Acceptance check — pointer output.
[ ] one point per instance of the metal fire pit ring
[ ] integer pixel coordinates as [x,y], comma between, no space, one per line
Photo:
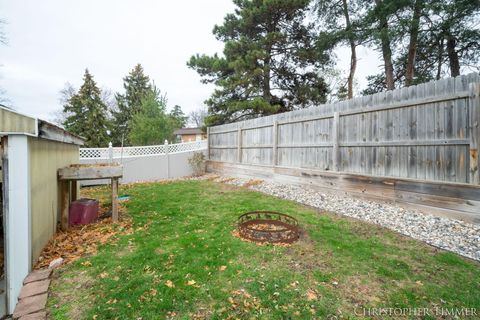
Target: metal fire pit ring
[268,226]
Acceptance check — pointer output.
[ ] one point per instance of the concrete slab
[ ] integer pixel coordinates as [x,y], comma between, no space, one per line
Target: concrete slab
[30,305]
[34,288]
[38,275]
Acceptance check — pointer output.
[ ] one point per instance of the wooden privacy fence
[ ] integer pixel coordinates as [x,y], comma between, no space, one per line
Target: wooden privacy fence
[427,132]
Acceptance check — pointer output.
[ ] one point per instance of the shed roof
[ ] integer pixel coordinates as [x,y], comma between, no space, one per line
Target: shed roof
[188,131]
[13,122]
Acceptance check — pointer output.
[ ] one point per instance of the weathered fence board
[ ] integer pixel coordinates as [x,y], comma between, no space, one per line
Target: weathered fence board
[459,201]
[425,132]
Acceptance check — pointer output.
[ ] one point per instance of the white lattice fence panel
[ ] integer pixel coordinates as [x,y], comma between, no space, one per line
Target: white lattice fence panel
[138,151]
[93,153]
[188,146]
[103,153]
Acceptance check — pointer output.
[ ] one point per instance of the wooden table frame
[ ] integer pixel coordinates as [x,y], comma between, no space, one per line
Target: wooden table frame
[68,179]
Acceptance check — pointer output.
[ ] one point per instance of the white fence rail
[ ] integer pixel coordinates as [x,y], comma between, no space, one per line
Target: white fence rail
[147,163]
[128,152]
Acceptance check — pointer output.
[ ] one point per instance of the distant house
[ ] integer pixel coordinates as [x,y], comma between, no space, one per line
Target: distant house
[190,134]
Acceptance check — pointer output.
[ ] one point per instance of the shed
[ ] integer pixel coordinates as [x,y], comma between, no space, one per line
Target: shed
[31,152]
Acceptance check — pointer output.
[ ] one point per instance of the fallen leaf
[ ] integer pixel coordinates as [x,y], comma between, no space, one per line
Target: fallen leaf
[82,240]
[191,282]
[169,284]
[311,295]
[222,268]
[103,275]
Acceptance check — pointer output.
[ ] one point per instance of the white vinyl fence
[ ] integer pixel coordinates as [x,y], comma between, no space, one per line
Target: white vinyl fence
[145,163]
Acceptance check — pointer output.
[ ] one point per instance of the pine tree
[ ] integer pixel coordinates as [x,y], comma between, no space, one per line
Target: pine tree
[337,20]
[151,125]
[271,63]
[432,39]
[137,86]
[87,114]
[178,117]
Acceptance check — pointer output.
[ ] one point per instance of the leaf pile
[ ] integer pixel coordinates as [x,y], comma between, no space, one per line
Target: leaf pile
[78,241]
[236,234]
[252,183]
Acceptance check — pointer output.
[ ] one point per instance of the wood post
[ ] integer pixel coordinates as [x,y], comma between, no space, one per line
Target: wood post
[474,132]
[239,145]
[208,143]
[335,139]
[74,190]
[64,203]
[115,199]
[275,144]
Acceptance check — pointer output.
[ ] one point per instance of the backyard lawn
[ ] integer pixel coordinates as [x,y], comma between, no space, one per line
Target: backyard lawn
[182,262]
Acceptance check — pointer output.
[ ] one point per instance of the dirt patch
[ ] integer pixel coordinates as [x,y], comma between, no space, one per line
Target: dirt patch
[360,290]
[304,256]
[201,313]
[74,292]
[160,251]
[126,251]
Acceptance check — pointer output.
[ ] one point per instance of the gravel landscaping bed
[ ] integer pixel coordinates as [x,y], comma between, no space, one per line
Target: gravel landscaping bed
[449,234]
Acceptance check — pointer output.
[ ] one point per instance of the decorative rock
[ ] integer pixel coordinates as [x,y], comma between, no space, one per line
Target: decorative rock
[38,275]
[30,305]
[55,263]
[34,288]
[445,233]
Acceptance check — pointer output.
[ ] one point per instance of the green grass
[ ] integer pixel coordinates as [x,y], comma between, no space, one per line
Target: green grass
[183,234]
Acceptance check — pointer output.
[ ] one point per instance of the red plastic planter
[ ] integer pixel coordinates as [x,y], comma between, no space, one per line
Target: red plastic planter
[83,211]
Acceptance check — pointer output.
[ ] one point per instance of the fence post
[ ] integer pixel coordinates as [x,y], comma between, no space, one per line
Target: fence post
[335,138]
[275,143]
[110,152]
[239,145]
[474,132]
[208,143]
[168,158]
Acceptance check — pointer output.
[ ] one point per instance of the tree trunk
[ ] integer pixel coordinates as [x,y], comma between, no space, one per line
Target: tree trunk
[386,50]
[353,48]
[267,95]
[453,56]
[412,47]
[440,59]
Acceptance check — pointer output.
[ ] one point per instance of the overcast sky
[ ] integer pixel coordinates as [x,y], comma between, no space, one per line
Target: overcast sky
[51,42]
